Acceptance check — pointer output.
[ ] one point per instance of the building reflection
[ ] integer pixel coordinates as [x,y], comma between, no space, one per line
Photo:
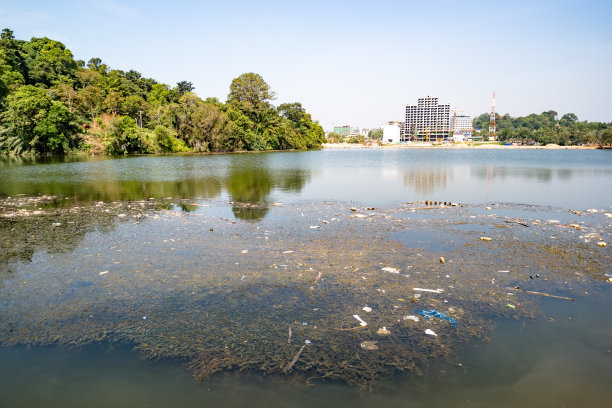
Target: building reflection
[428,181]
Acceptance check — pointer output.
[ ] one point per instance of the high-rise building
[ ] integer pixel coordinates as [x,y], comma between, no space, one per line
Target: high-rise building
[427,121]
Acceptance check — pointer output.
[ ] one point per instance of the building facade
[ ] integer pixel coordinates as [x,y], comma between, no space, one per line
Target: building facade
[427,121]
[461,125]
[342,130]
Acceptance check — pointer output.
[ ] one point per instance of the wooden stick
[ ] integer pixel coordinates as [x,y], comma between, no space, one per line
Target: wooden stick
[295,359]
[543,294]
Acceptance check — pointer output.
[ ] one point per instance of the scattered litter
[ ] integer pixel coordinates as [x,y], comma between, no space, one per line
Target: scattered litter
[488,208]
[289,338]
[144,317]
[411,317]
[304,324]
[504,271]
[390,269]
[314,227]
[428,290]
[430,332]
[485,239]
[288,252]
[367,309]
[554,221]
[442,260]
[369,345]
[56,224]
[601,244]
[575,226]
[371,208]
[318,277]
[383,331]
[307,342]
[361,322]
[245,251]
[103,273]
[428,314]
[243,276]
[510,305]
[353,209]
[121,215]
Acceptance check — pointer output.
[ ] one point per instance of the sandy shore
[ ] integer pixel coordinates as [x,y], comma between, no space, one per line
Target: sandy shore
[446,146]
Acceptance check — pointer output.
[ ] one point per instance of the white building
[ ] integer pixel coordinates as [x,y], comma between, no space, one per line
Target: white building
[392,132]
[461,125]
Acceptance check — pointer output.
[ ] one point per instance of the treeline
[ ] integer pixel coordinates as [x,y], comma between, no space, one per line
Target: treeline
[546,128]
[51,103]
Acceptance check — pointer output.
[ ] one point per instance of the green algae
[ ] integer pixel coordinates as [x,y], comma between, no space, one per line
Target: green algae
[221,295]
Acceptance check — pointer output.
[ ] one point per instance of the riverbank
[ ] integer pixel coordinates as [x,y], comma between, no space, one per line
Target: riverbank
[450,146]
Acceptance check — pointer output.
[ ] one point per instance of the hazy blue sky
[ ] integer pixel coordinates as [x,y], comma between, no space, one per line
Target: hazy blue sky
[351,62]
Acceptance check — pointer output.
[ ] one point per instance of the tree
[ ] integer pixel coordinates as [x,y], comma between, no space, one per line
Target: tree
[250,94]
[183,87]
[376,134]
[36,123]
[90,100]
[292,111]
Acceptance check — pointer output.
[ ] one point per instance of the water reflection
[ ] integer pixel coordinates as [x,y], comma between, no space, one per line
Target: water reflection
[428,180]
[250,188]
[249,180]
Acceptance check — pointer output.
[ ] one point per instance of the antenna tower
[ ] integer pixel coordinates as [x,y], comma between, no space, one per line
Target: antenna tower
[492,119]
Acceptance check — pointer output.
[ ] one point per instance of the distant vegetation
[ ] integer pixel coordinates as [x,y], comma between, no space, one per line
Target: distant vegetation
[546,128]
[51,103]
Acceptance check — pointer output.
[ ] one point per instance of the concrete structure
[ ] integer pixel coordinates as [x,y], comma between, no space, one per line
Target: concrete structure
[427,121]
[392,132]
[461,125]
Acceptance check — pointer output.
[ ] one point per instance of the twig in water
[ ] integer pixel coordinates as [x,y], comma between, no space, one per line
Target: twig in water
[295,359]
[543,294]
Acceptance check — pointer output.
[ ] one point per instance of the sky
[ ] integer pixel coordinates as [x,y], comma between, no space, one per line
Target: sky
[356,62]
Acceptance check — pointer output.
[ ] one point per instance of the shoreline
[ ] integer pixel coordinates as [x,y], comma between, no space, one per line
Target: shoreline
[449,146]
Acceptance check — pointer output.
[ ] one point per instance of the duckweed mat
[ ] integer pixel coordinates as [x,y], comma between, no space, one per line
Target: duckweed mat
[308,291]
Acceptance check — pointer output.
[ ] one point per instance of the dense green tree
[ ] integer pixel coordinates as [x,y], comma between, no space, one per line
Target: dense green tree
[250,94]
[36,123]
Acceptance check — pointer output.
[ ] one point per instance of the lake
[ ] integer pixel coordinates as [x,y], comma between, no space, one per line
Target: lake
[351,277]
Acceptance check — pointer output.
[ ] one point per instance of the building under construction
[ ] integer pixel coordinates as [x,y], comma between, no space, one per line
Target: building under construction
[427,121]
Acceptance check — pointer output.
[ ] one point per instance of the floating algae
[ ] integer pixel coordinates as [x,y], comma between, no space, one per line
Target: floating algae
[218,312]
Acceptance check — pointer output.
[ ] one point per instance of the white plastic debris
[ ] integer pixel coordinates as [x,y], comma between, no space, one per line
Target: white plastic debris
[390,269]
[430,332]
[428,290]
[307,342]
[56,224]
[411,317]
[288,252]
[367,309]
[314,227]
[103,273]
[361,322]
[383,331]
[485,239]
[245,251]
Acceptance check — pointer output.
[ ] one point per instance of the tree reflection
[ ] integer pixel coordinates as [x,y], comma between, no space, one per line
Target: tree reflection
[249,189]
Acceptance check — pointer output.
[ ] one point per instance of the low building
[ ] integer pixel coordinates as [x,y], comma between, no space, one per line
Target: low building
[343,131]
[392,132]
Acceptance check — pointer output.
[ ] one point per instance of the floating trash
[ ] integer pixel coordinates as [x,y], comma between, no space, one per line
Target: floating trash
[390,269]
[411,317]
[428,314]
[430,332]
[428,290]
[103,273]
[367,309]
[369,345]
[485,239]
[361,322]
